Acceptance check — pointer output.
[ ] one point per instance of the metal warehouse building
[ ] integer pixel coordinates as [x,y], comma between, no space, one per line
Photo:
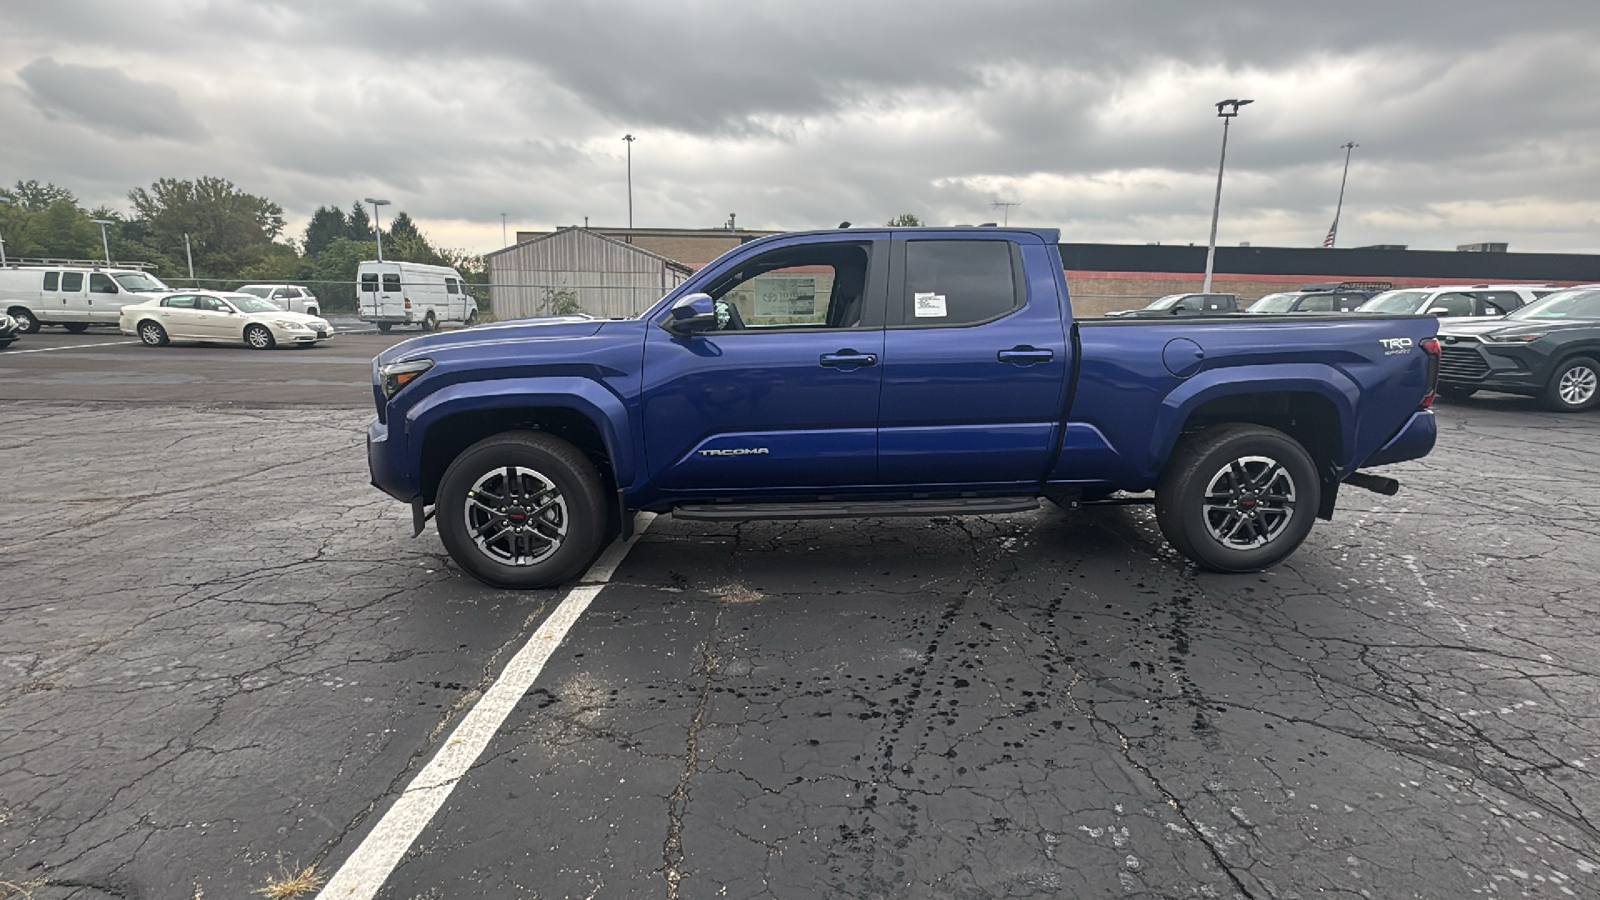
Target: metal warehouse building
[600,275]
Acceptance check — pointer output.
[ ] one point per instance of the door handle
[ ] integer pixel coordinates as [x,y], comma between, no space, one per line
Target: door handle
[847,359]
[1025,355]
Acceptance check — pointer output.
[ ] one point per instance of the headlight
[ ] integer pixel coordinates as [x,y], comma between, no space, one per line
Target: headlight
[397,375]
[1510,338]
[290,326]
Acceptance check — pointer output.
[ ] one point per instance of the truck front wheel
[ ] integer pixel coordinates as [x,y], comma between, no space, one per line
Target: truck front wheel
[1237,498]
[521,510]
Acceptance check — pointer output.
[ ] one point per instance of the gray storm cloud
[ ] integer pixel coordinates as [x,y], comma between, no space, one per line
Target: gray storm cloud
[1475,124]
[107,100]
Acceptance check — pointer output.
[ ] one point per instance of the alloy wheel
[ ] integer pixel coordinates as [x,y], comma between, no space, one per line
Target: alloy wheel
[1578,385]
[1249,502]
[516,516]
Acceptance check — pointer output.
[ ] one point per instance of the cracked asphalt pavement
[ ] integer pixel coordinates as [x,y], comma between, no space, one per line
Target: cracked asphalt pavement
[223,656]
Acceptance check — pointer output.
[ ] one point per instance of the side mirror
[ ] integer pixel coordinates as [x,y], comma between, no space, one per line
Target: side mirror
[692,314]
[1439,311]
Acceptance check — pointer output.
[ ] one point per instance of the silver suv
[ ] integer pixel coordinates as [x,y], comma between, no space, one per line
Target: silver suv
[287,297]
[1458,300]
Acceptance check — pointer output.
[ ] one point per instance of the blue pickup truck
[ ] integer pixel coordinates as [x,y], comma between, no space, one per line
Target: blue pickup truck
[919,371]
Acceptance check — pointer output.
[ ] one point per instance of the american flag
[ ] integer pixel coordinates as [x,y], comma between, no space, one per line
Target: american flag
[1328,241]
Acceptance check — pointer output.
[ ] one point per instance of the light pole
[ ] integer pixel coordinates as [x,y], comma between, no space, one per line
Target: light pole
[1226,110]
[190,254]
[104,244]
[1333,233]
[377,228]
[2,251]
[503,230]
[630,139]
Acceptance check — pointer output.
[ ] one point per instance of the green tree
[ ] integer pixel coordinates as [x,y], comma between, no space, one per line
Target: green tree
[904,220]
[31,196]
[229,229]
[360,223]
[326,224]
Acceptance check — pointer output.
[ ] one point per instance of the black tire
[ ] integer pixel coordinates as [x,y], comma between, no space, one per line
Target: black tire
[259,337]
[429,322]
[76,327]
[547,471]
[1455,394]
[1574,386]
[27,322]
[152,334]
[385,326]
[1263,490]
[472,318]
[312,311]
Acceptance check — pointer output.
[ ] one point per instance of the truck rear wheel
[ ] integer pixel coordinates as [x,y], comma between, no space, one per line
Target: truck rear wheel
[1237,498]
[76,327]
[521,510]
[385,326]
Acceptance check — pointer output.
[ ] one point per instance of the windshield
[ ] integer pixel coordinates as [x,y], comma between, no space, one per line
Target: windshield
[1578,303]
[1272,303]
[262,292]
[139,282]
[1167,302]
[1395,302]
[249,304]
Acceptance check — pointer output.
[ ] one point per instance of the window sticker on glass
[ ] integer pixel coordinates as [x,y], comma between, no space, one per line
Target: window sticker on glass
[929,305]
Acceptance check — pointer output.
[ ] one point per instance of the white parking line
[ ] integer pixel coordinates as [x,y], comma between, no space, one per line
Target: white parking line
[73,347]
[366,870]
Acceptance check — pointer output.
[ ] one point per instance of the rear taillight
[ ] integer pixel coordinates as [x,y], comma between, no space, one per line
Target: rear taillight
[1431,348]
[408,303]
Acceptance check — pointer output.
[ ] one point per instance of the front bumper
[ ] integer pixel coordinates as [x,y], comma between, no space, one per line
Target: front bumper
[295,336]
[386,463]
[1467,361]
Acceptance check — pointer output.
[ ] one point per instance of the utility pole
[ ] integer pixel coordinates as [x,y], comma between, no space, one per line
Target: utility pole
[1333,233]
[630,139]
[1216,205]
[503,230]
[377,227]
[103,242]
[190,254]
[2,251]
[1005,207]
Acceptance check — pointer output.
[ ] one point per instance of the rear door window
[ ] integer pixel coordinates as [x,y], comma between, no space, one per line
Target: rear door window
[960,282]
[72,281]
[369,282]
[391,284]
[1318,303]
[182,301]
[52,281]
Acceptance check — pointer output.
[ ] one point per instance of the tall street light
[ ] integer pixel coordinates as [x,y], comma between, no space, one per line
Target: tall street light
[104,244]
[1226,110]
[630,139]
[377,228]
[1333,233]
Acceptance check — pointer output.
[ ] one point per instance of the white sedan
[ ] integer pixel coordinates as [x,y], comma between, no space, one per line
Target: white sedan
[219,316]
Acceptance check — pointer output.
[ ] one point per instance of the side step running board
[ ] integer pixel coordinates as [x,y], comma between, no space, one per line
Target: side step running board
[853,509]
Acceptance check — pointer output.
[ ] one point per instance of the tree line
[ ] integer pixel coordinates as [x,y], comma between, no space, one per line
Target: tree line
[234,236]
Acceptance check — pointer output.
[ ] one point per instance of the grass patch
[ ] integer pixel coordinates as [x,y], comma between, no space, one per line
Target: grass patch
[287,884]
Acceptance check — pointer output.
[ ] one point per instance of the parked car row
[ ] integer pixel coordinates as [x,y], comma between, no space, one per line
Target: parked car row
[77,294]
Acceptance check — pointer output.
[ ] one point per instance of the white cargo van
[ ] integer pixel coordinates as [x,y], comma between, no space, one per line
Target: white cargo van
[402,293]
[72,296]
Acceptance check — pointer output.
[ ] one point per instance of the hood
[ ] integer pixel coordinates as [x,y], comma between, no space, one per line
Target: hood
[545,328]
[1476,325]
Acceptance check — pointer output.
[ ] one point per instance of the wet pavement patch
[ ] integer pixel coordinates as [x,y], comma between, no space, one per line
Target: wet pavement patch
[1035,705]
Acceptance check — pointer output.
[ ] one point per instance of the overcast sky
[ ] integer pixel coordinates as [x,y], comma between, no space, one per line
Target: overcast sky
[1477,120]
